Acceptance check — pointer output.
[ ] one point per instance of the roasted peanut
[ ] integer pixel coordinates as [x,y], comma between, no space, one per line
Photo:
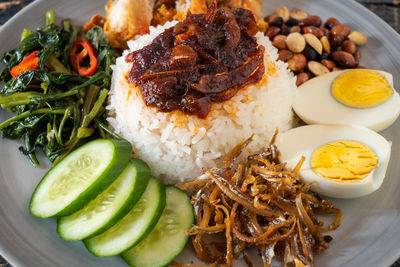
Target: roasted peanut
[295,42]
[349,46]
[328,63]
[326,45]
[311,21]
[302,78]
[314,42]
[341,30]
[313,30]
[283,12]
[358,38]
[279,42]
[295,29]
[285,30]
[310,53]
[330,23]
[317,68]
[311,48]
[272,32]
[298,14]
[344,59]
[325,31]
[285,55]
[275,20]
[335,40]
[292,22]
[297,62]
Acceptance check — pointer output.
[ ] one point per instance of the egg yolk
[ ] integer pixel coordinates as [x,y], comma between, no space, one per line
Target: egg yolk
[361,88]
[344,161]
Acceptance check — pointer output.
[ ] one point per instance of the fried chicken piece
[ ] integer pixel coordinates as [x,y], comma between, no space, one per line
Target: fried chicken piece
[254,6]
[96,20]
[200,6]
[125,19]
[164,10]
[192,6]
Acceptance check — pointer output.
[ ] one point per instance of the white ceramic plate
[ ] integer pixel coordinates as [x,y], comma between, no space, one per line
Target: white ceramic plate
[370,231]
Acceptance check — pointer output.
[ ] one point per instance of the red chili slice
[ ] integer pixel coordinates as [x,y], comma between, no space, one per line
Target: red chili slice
[83,49]
[31,62]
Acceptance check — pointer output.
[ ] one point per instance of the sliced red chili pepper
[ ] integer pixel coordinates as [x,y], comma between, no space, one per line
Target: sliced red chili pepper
[81,50]
[31,62]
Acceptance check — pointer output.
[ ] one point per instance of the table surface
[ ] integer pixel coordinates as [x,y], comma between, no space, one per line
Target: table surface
[388,10]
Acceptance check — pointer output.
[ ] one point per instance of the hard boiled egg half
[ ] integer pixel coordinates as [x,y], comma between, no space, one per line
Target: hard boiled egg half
[350,97]
[341,161]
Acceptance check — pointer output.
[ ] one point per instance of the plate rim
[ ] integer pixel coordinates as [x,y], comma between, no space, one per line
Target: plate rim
[4,252]
[395,256]
[8,255]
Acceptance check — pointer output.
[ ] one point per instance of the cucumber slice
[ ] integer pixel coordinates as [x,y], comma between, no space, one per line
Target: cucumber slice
[135,226]
[109,207]
[79,177]
[168,238]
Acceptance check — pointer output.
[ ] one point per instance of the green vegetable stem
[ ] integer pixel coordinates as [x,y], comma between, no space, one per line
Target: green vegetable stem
[50,17]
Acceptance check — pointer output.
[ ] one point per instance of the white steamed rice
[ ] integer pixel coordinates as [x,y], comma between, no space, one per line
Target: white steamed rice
[177,146]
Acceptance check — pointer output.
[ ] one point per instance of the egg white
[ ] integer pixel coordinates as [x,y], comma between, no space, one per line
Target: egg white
[302,141]
[314,104]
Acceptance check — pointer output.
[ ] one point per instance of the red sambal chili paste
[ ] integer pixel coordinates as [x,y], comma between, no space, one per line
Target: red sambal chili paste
[205,58]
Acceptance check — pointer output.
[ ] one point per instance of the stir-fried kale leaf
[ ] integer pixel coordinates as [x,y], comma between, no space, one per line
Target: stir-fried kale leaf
[55,108]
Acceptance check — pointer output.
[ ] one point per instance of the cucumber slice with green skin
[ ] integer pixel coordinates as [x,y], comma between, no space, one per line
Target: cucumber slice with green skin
[168,238]
[109,207]
[79,177]
[135,226]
